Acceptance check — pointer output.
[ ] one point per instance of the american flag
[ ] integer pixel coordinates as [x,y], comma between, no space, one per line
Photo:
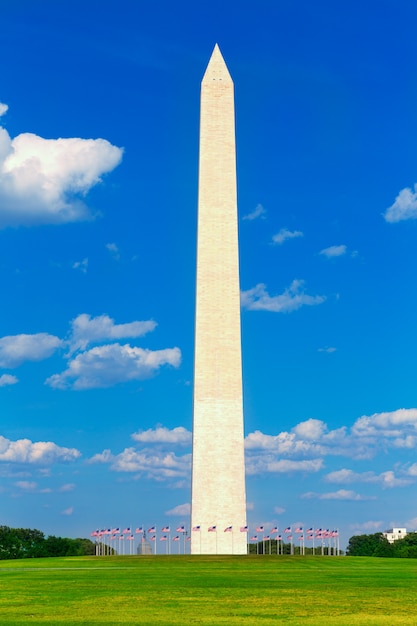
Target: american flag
[163,538]
[175,538]
[166,529]
[301,538]
[318,530]
[243,529]
[267,538]
[254,538]
[150,538]
[152,529]
[309,530]
[130,538]
[188,538]
[139,530]
[180,529]
[212,529]
[289,537]
[126,531]
[115,530]
[299,530]
[228,529]
[121,537]
[260,529]
[310,537]
[279,537]
[195,528]
[274,530]
[287,530]
[95,533]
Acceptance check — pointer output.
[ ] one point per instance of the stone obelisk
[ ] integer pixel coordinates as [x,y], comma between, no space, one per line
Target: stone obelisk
[218,498]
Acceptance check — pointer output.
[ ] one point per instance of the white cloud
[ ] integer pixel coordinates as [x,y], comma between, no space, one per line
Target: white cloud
[40,452]
[400,426]
[86,330]
[114,251]
[8,379]
[3,108]
[161,434]
[67,487]
[334,251]
[342,494]
[312,438]
[15,349]
[26,485]
[81,265]
[387,479]
[293,298]
[111,364]
[404,207]
[180,510]
[366,527]
[285,234]
[259,211]
[308,438]
[260,464]
[279,510]
[43,181]
[68,511]
[329,350]
[157,465]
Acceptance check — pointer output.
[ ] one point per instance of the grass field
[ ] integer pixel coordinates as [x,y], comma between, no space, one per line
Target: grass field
[174,590]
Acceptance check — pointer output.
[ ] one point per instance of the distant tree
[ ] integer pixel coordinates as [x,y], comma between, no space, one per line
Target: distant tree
[368,545]
[24,543]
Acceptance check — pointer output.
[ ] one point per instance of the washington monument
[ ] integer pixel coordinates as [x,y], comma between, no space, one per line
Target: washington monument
[218,502]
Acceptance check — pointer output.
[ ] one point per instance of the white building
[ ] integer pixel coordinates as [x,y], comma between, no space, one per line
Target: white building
[393,534]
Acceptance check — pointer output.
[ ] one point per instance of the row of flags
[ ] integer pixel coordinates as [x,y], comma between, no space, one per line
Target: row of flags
[309,534]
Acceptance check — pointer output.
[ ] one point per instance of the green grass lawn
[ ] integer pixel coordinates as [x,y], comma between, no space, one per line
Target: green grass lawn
[181,590]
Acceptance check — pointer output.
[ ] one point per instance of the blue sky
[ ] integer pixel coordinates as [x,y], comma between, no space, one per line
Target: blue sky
[98,194]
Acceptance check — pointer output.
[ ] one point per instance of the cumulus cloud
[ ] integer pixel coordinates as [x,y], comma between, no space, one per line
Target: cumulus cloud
[8,379]
[372,526]
[387,480]
[15,349]
[39,452]
[3,108]
[68,511]
[26,485]
[111,364]
[342,494]
[400,427]
[285,234]
[334,251]
[67,487]
[367,435]
[180,510]
[114,251]
[161,434]
[293,298]
[86,330]
[309,438]
[154,464]
[404,207]
[259,211]
[43,181]
[279,510]
[81,265]
[268,463]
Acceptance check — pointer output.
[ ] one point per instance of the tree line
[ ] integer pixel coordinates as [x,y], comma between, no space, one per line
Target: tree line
[26,543]
[378,545]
